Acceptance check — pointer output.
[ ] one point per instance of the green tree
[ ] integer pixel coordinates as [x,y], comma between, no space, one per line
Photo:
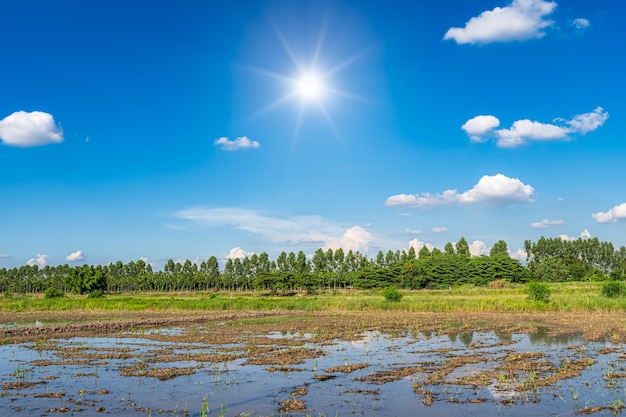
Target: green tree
[424,252]
[85,279]
[462,247]
[499,248]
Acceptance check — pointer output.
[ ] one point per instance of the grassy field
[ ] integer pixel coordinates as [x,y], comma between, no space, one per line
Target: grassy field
[564,297]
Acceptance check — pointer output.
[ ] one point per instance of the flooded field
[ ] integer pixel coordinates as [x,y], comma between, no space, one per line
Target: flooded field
[314,366]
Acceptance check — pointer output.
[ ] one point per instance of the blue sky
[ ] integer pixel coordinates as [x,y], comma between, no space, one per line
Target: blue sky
[183,130]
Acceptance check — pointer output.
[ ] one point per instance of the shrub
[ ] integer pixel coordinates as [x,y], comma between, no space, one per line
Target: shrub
[613,289]
[538,291]
[392,294]
[53,293]
[96,294]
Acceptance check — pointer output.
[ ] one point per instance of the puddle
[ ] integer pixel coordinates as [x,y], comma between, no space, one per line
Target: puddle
[174,371]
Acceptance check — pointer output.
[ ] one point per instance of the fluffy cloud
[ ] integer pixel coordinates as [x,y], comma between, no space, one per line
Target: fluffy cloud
[355,238]
[479,125]
[494,190]
[39,260]
[498,189]
[524,130]
[440,229]
[418,245]
[237,253]
[75,256]
[521,20]
[580,23]
[583,235]
[519,254]
[481,128]
[588,122]
[617,213]
[237,144]
[282,230]
[478,248]
[26,129]
[545,223]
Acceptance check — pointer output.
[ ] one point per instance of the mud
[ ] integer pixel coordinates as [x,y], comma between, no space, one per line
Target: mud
[455,359]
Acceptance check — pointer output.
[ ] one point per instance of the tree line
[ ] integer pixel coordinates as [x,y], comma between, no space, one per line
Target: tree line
[548,259]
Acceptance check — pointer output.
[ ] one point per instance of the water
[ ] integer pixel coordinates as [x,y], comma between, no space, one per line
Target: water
[464,373]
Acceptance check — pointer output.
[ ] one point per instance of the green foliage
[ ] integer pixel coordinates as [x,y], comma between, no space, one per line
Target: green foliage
[375,277]
[85,279]
[551,270]
[613,289]
[392,294]
[548,260]
[53,293]
[96,294]
[538,291]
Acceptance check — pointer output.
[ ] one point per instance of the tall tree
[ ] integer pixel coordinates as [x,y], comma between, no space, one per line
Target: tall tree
[499,248]
[462,247]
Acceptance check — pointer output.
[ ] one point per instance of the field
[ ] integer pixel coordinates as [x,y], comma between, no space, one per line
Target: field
[481,351]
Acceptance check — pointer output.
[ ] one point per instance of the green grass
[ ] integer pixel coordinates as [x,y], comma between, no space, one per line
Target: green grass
[585,296]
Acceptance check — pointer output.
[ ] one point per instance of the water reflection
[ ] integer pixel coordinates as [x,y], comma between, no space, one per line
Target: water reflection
[422,374]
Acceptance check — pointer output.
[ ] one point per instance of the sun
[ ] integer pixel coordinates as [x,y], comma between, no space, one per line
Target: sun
[310,86]
[313,82]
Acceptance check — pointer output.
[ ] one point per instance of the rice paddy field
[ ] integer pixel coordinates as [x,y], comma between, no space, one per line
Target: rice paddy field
[471,351]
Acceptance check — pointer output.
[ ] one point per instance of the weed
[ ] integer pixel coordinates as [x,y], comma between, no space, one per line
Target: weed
[538,291]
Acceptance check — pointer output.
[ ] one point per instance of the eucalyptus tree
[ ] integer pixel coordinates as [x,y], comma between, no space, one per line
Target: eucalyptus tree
[499,248]
[462,247]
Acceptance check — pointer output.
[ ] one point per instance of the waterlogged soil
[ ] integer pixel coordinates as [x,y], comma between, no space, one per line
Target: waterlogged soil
[313,364]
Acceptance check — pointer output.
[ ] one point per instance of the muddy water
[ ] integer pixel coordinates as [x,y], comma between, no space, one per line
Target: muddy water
[178,371]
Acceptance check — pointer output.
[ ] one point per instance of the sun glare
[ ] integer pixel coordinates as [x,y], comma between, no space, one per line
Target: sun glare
[310,86]
[312,83]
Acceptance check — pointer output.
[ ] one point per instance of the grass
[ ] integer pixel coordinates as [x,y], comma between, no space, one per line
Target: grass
[578,296]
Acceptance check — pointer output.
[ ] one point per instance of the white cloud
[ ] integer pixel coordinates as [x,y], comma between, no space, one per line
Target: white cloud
[411,232]
[26,129]
[519,254]
[498,189]
[521,20]
[494,190]
[282,230]
[39,260]
[234,145]
[617,213]
[418,245]
[423,200]
[5,256]
[440,229]
[237,253]
[580,23]
[75,256]
[588,122]
[355,238]
[545,223]
[478,248]
[477,127]
[525,130]
[583,235]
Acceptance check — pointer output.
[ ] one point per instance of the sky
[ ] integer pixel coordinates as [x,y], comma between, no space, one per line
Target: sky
[183,130]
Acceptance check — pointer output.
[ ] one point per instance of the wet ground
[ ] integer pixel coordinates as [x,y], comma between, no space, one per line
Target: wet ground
[314,364]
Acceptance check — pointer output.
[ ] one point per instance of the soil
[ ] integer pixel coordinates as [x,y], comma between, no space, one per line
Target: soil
[254,330]
[324,325]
